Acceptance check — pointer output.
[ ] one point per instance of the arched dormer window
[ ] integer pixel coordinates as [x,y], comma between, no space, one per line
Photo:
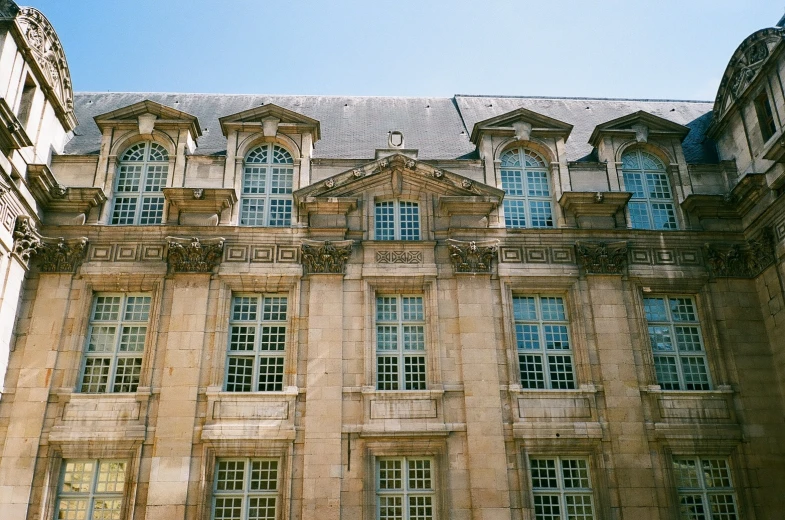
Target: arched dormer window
[651,205]
[268,174]
[525,179]
[141,177]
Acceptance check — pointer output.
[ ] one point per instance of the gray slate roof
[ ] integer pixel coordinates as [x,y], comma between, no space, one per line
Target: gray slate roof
[354,127]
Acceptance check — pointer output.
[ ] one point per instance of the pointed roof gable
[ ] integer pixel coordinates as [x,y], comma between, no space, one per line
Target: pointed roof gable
[164,116]
[507,124]
[292,122]
[388,169]
[637,124]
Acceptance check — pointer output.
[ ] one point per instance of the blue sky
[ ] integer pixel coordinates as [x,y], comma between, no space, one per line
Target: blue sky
[594,48]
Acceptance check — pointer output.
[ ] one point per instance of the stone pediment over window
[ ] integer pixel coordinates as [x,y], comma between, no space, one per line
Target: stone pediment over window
[523,124]
[640,126]
[270,119]
[146,116]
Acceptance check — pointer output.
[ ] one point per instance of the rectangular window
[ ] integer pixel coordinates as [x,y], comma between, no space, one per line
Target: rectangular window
[397,220]
[26,102]
[405,489]
[400,342]
[561,488]
[115,345]
[91,489]
[677,343]
[765,116]
[245,489]
[705,489]
[257,343]
[543,342]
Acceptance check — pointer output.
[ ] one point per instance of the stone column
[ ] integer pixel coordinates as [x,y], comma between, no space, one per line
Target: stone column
[323,399]
[174,429]
[490,494]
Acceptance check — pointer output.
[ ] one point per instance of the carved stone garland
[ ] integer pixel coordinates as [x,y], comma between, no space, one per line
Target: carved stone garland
[742,260]
[602,257]
[53,255]
[468,257]
[325,257]
[193,256]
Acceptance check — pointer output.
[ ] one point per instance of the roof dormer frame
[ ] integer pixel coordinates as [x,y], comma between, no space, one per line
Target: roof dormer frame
[147,116]
[640,126]
[523,124]
[270,119]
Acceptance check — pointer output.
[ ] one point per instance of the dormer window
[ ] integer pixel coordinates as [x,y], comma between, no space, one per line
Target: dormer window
[397,220]
[141,177]
[651,205]
[765,116]
[525,180]
[268,175]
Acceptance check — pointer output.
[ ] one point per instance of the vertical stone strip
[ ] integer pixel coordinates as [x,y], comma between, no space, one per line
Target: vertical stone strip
[31,370]
[174,429]
[490,492]
[13,275]
[323,399]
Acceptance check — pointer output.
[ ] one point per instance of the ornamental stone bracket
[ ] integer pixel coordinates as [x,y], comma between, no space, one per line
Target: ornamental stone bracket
[746,260]
[471,257]
[325,257]
[53,255]
[27,240]
[194,256]
[602,257]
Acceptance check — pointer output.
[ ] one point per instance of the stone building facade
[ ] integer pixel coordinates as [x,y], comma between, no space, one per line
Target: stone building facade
[304,307]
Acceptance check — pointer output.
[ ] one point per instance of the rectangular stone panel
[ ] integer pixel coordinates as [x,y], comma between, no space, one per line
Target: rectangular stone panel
[101,409]
[664,256]
[640,256]
[510,254]
[264,253]
[251,410]
[237,254]
[561,255]
[152,252]
[287,255]
[536,255]
[554,408]
[100,253]
[126,252]
[696,408]
[689,257]
[403,409]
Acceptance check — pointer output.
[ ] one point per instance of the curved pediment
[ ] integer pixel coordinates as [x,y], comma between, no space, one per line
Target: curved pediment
[744,66]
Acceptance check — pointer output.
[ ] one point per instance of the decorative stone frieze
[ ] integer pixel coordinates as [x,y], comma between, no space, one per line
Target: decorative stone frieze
[742,260]
[399,257]
[27,240]
[193,256]
[325,257]
[61,256]
[469,257]
[602,257]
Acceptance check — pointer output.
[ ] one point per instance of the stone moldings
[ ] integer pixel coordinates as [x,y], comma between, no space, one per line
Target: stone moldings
[468,257]
[325,257]
[399,257]
[742,260]
[602,257]
[192,256]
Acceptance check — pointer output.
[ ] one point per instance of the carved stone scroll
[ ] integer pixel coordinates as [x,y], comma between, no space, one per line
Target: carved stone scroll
[742,260]
[325,257]
[468,257]
[602,257]
[193,256]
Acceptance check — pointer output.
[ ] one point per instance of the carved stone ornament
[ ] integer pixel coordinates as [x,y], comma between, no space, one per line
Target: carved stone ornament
[61,256]
[468,257]
[438,174]
[329,183]
[742,260]
[58,191]
[358,172]
[410,164]
[399,257]
[325,257]
[466,183]
[602,257]
[199,193]
[193,256]
[27,240]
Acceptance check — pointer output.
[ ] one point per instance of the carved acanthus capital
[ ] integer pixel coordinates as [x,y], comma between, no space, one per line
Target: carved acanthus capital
[602,257]
[326,257]
[61,255]
[27,240]
[193,256]
[469,257]
[742,260]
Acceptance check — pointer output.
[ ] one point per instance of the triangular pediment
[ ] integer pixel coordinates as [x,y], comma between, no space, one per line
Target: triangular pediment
[400,174]
[288,120]
[164,115]
[640,125]
[521,120]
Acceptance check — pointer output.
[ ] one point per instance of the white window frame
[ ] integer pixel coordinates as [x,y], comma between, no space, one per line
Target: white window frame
[394,230]
[527,196]
[402,352]
[677,354]
[246,495]
[406,492]
[257,354]
[703,490]
[647,200]
[94,493]
[561,491]
[120,324]
[146,166]
[265,159]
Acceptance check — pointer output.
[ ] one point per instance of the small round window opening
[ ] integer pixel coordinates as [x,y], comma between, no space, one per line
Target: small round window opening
[395,139]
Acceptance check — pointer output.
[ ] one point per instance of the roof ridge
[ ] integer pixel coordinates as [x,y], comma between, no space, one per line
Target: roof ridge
[587,98]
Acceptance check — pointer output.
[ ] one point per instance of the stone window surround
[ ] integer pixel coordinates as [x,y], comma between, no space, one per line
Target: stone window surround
[551,168]
[268,166]
[424,447]
[255,448]
[396,218]
[367,210]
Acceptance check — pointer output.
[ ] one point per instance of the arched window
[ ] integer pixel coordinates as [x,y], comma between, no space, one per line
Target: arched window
[141,177]
[268,173]
[527,202]
[651,205]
